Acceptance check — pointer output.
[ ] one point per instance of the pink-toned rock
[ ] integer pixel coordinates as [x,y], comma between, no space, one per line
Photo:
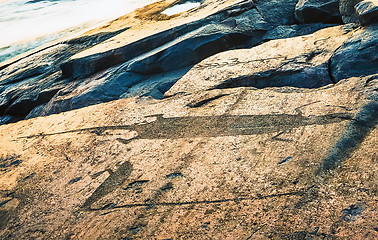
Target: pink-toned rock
[227,163]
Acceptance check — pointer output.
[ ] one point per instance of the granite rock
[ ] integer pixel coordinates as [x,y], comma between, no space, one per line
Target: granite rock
[297,62]
[285,163]
[230,121]
[367,12]
[348,11]
[312,11]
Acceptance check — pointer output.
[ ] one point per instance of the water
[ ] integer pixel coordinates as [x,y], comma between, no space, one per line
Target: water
[179,8]
[27,24]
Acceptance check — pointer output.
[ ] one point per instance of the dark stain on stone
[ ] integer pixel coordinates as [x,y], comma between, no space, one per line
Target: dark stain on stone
[135,230]
[174,175]
[72,181]
[205,101]
[205,225]
[98,131]
[351,213]
[42,231]
[93,176]
[167,187]
[109,206]
[149,204]
[9,194]
[311,195]
[274,78]
[69,236]
[4,218]
[30,176]
[5,202]
[316,230]
[9,161]
[114,181]
[285,160]
[14,163]
[124,141]
[277,138]
[137,227]
[364,122]
[136,184]
[209,211]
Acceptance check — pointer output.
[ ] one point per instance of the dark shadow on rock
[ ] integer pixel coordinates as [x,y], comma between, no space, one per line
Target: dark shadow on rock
[356,132]
[300,77]
[358,56]
[325,11]
[216,126]
[33,80]
[113,182]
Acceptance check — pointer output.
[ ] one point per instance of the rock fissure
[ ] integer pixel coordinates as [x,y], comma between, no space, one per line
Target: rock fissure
[299,192]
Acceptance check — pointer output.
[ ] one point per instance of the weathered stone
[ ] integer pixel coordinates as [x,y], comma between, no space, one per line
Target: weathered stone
[81,67]
[274,141]
[5,119]
[155,85]
[113,84]
[190,49]
[298,62]
[358,56]
[277,12]
[367,12]
[114,61]
[312,11]
[348,11]
[289,31]
[32,80]
[36,112]
[111,163]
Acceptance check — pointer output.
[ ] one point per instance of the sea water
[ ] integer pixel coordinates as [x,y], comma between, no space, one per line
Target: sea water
[27,24]
[179,8]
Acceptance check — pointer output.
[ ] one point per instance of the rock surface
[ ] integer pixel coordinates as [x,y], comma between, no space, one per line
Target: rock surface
[348,11]
[358,56]
[230,121]
[129,55]
[309,11]
[224,163]
[367,12]
[301,62]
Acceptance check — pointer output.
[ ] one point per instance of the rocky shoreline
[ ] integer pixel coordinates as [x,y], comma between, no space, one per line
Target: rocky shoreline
[234,120]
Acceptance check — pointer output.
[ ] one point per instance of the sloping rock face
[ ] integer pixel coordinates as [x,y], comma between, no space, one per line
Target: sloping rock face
[273,139]
[281,163]
[348,11]
[367,12]
[33,80]
[327,11]
[137,55]
[297,62]
[358,56]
